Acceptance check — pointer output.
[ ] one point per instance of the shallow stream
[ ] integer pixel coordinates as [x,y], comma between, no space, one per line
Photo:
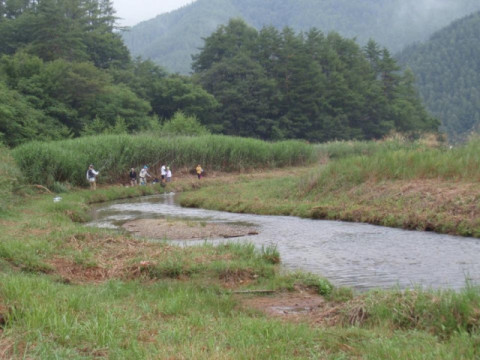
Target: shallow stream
[360,256]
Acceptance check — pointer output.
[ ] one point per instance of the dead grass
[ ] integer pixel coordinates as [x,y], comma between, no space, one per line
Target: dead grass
[424,204]
[113,258]
[239,277]
[300,306]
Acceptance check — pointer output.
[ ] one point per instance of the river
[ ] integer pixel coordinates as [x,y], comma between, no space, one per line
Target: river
[356,255]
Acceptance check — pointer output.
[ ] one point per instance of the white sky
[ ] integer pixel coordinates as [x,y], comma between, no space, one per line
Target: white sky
[132,12]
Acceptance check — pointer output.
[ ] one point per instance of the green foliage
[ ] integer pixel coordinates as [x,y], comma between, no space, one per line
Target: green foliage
[443,313]
[65,72]
[446,76]
[10,177]
[461,163]
[112,155]
[64,29]
[284,85]
[170,39]
[181,124]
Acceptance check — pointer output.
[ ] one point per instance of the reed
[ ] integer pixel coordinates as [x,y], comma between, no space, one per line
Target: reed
[9,178]
[461,163]
[66,161]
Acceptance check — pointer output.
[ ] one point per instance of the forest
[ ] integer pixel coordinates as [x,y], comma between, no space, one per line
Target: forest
[276,85]
[170,39]
[447,68]
[65,72]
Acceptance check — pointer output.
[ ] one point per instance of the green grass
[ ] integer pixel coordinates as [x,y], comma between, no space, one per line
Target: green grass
[10,179]
[461,163]
[335,150]
[66,161]
[177,306]
[427,188]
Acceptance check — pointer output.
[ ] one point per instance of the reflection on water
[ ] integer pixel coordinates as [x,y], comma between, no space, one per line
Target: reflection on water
[361,256]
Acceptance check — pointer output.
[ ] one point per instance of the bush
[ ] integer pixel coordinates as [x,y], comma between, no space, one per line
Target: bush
[181,124]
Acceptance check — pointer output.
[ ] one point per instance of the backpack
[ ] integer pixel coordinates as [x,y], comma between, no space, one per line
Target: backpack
[90,174]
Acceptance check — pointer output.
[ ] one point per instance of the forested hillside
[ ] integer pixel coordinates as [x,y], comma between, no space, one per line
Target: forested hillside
[170,39]
[447,68]
[65,72]
[277,85]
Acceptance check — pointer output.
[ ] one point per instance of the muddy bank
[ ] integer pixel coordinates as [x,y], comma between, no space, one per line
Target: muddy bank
[186,230]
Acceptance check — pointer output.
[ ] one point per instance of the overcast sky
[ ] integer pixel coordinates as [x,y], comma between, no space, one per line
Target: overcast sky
[132,12]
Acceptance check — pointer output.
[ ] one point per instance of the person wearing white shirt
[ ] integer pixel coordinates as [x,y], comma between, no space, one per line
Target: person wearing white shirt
[92,177]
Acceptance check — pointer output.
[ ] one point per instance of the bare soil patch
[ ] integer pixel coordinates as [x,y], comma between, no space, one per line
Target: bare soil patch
[298,306]
[186,230]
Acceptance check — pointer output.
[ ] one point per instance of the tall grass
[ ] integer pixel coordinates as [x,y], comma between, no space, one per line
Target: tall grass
[67,160]
[441,312]
[335,150]
[462,163]
[9,178]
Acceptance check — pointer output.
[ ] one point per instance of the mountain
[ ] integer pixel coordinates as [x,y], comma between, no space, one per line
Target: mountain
[447,69]
[170,39]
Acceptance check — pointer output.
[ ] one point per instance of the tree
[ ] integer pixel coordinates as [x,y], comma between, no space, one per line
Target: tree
[181,124]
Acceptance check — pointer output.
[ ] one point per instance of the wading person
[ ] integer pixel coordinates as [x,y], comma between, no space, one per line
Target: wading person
[169,174]
[92,177]
[133,177]
[143,175]
[199,171]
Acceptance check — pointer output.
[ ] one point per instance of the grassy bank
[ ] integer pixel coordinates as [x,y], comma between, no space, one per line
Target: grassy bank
[413,188]
[66,161]
[69,291]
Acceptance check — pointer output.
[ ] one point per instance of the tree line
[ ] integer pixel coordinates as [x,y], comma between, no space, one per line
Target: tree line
[276,85]
[65,72]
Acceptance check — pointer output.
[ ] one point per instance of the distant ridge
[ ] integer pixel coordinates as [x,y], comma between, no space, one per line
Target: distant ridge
[170,39]
[447,69]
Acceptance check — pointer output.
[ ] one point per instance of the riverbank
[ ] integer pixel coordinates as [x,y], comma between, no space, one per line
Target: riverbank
[68,291]
[440,205]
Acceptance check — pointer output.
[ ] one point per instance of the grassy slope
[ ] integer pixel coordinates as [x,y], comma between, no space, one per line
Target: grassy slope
[418,188]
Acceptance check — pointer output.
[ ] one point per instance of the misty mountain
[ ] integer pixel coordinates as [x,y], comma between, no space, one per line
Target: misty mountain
[447,69]
[170,39]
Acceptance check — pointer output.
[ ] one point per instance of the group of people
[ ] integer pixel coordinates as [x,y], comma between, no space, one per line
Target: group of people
[165,174]
[141,179]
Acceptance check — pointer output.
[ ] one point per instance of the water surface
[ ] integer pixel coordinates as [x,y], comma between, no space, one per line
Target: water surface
[361,256]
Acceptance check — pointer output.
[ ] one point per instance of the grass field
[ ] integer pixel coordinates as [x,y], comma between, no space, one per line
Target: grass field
[72,292]
[68,291]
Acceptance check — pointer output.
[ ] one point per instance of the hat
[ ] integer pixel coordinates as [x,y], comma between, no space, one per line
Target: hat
[91,165]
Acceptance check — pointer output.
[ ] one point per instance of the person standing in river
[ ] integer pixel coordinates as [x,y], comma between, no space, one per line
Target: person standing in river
[169,174]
